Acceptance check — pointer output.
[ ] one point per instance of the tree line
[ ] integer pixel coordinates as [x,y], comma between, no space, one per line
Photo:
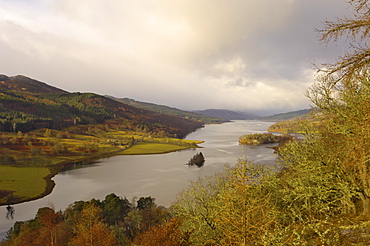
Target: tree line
[112,221]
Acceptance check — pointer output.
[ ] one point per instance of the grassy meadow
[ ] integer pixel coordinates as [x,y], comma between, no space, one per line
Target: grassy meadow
[152,148]
[22,183]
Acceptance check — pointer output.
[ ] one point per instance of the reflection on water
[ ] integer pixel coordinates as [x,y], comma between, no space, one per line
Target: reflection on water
[10,212]
[160,176]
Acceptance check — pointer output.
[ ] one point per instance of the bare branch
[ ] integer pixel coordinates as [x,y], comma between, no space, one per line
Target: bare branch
[357,60]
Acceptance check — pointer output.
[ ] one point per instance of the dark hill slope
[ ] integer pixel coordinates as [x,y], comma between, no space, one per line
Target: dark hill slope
[24,84]
[23,106]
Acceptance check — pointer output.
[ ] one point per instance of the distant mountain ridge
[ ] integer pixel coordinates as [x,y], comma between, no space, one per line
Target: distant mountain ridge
[170,110]
[227,114]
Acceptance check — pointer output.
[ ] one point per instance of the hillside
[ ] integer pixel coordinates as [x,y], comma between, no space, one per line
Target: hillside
[296,124]
[286,116]
[170,111]
[21,83]
[226,114]
[27,104]
[50,129]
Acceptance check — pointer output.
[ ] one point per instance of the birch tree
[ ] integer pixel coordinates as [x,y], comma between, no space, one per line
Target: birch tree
[90,230]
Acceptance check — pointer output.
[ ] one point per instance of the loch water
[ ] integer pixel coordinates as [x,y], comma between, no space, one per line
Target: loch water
[160,176]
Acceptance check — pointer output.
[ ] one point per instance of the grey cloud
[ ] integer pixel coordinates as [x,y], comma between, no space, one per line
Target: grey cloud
[240,82]
[284,49]
[237,54]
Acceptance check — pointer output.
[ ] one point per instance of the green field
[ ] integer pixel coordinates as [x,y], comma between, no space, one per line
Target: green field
[24,182]
[152,148]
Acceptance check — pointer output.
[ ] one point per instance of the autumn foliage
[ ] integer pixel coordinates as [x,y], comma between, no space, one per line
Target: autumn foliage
[317,194]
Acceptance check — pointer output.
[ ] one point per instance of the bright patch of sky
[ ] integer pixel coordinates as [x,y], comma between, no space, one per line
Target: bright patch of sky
[255,56]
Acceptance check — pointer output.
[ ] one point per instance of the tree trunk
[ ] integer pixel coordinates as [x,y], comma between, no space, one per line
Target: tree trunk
[365,203]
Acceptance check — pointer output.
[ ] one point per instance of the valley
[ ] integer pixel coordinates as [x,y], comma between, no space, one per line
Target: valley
[44,130]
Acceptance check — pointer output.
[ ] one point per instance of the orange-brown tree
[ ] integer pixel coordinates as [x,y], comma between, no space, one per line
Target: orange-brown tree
[167,234]
[52,229]
[91,230]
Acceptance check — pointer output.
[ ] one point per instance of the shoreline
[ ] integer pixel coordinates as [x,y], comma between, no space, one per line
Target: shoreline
[68,165]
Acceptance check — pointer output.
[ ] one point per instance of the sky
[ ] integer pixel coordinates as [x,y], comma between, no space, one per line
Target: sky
[257,56]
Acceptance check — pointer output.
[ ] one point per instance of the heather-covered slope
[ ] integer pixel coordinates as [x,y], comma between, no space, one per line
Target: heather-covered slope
[22,83]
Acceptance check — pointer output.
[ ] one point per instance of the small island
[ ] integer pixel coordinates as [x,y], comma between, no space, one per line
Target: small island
[198,159]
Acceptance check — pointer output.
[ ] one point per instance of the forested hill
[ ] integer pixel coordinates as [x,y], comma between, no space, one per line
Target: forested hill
[286,116]
[171,111]
[227,114]
[27,104]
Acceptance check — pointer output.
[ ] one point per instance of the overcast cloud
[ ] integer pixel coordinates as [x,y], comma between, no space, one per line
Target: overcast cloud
[250,55]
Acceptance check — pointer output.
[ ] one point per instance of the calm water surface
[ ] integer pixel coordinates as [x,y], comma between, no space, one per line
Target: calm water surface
[159,176]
